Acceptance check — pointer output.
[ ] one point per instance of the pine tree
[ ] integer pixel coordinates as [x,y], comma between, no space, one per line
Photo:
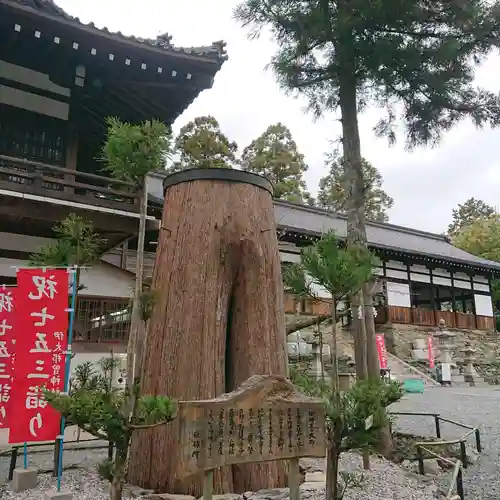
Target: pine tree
[201,144]
[413,59]
[333,195]
[274,154]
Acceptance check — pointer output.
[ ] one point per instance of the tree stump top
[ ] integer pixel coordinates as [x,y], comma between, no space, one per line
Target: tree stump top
[264,419]
[217,174]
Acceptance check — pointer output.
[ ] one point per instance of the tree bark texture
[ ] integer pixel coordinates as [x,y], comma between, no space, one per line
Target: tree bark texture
[353,178]
[218,318]
[372,360]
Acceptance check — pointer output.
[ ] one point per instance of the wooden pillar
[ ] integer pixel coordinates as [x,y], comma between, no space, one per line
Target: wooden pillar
[453,299]
[218,316]
[124,255]
[433,301]
[473,300]
[412,315]
[71,153]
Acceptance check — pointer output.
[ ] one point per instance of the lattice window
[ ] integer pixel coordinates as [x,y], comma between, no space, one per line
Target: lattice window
[31,136]
[102,319]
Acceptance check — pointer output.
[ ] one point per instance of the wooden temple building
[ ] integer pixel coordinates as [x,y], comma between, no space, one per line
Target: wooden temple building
[423,277]
[60,79]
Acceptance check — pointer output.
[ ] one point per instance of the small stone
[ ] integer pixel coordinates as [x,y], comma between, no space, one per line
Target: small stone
[271,494]
[431,466]
[314,485]
[225,496]
[24,479]
[137,491]
[313,477]
[247,495]
[169,496]
[58,495]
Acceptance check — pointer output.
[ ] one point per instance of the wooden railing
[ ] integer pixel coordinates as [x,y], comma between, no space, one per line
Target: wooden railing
[25,176]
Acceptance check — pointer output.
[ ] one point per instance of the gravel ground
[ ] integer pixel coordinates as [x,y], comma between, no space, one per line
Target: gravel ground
[384,482]
[478,407]
[43,461]
[85,485]
[472,406]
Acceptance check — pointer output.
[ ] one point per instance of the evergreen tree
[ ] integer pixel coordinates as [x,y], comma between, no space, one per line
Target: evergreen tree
[342,272]
[333,195]
[413,59]
[201,144]
[467,213]
[274,155]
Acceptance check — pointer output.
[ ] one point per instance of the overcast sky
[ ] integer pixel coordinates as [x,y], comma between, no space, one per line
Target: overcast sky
[425,184]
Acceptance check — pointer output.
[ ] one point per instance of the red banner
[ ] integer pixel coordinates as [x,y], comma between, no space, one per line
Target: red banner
[42,317]
[430,351]
[382,353]
[6,352]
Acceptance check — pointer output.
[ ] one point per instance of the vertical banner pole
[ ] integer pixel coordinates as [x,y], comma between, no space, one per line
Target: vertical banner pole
[67,372]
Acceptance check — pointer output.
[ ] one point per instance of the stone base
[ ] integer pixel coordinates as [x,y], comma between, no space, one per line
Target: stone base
[24,479]
[58,495]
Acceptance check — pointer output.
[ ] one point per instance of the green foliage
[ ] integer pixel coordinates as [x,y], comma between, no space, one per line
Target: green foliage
[413,59]
[106,470]
[333,194]
[364,399]
[133,151]
[147,302]
[76,244]
[201,144]
[96,407]
[341,271]
[275,155]
[481,238]
[309,385]
[468,213]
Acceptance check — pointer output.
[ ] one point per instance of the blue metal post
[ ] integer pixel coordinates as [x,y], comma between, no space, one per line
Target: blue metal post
[67,372]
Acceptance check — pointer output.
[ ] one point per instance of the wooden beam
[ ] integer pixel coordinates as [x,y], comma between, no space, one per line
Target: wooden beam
[44,211]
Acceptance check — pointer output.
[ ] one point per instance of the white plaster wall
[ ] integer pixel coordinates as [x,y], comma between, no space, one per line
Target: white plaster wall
[101,280]
[398,294]
[484,307]
[22,242]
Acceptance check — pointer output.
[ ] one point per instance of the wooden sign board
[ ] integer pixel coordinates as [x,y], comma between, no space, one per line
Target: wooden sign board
[265,419]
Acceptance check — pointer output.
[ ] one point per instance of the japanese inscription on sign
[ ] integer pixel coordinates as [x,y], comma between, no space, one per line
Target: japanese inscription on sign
[42,317]
[265,419]
[7,342]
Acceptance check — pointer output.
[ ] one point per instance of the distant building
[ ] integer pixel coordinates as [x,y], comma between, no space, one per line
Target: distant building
[59,80]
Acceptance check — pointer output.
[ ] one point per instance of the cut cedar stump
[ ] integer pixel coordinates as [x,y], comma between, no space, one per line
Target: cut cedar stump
[218,315]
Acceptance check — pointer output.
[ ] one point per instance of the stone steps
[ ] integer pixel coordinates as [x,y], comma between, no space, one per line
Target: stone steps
[400,370]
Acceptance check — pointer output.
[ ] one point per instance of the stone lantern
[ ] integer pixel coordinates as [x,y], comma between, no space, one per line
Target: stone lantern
[445,342]
[469,357]
[316,367]
[346,372]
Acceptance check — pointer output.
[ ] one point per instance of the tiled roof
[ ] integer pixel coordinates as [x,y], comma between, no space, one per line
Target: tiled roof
[301,218]
[316,221]
[215,52]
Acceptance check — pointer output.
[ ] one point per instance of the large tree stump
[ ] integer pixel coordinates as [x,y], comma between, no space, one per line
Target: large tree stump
[218,316]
